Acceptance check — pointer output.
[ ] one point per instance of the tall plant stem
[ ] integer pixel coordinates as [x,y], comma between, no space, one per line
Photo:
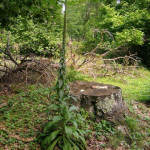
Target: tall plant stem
[63,51]
[61,82]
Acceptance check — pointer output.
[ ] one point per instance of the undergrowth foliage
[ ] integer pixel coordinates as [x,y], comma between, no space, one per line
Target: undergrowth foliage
[64,128]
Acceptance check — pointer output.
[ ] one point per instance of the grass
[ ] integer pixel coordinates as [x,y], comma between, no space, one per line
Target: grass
[133,89]
[24,113]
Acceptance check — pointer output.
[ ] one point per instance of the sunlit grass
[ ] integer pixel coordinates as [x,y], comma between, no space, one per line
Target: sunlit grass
[132,88]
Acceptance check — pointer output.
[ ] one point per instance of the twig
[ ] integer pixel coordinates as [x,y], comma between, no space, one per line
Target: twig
[7,52]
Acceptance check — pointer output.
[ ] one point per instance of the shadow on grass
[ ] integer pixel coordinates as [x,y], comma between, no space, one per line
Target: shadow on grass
[146,102]
[145,97]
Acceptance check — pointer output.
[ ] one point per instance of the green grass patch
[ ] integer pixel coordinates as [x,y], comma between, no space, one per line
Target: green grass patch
[132,89]
[24,114]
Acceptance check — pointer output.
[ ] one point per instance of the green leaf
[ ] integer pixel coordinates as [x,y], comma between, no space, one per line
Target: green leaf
[81,132]
[49,124]
[69,116]
[60,83]
[76,135]
[83,140]
[61,93]
[57,118]
[41,135]
[80,118]
[51,147]
[44,142]
[72,97]
[52,136]
[75,147]
[64,103]
[81,145]
[67,87]
[73,108]
[51,107]
[68,130]
[66,144]
[54,106]
[43,125]
[74,123]
[47,110]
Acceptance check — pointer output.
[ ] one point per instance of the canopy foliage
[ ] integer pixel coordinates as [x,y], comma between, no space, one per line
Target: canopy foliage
[36,25]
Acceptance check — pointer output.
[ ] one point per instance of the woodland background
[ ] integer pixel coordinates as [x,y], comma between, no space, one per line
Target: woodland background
[107,41]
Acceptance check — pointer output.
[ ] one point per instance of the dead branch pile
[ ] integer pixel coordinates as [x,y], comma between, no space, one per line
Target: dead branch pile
[30,71]
[95,65]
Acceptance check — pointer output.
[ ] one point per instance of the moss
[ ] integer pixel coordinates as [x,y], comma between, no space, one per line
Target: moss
[106,105]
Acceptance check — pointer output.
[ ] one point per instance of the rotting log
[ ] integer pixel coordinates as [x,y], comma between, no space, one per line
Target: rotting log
[103,100]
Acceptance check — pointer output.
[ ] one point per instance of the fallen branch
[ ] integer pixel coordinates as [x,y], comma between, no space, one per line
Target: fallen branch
[99,67]
[7,52]
[2,70]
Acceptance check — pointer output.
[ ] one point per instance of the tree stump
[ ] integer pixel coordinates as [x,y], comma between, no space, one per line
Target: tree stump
[103,100]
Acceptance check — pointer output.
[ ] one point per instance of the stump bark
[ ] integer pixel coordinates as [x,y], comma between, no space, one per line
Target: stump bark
[103,100]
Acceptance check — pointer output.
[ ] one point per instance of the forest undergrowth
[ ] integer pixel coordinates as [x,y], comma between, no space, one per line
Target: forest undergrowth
[103,41]
[23,111]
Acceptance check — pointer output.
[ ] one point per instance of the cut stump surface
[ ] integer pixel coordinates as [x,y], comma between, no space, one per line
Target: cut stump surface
[103,100]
